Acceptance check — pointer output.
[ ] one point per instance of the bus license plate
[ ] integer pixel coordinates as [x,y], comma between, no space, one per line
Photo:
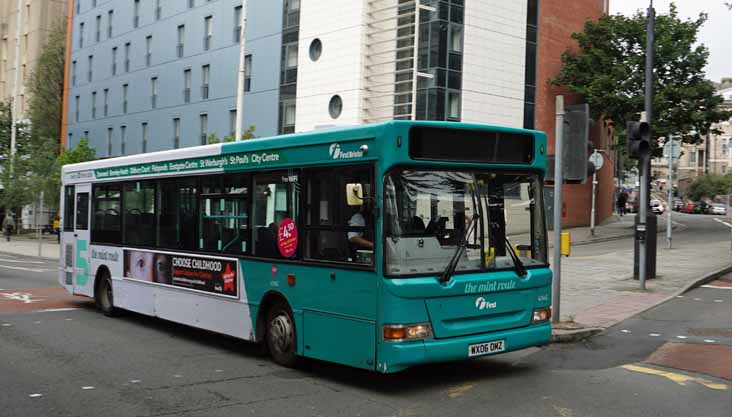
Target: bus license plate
[486,348]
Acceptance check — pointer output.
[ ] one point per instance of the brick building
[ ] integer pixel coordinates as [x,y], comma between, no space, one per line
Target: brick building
[557,21]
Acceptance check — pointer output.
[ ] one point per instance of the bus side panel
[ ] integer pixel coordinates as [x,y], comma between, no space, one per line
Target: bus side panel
[334,308]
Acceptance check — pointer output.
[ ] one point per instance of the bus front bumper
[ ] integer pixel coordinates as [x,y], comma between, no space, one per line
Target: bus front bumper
[398,356]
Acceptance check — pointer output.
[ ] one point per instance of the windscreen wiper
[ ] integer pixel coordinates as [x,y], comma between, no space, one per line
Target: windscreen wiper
[520,268]
[450,268]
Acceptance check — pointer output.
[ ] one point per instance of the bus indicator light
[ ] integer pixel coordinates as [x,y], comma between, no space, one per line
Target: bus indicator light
[291,280]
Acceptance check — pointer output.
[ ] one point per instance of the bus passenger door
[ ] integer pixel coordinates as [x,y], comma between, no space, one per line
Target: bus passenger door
[75,240]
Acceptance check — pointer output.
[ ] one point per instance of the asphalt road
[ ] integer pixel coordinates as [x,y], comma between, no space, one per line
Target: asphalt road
[60,357]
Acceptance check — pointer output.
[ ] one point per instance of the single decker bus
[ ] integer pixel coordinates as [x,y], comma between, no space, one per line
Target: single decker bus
[380,247]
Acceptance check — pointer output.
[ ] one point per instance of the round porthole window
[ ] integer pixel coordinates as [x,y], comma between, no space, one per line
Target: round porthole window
[316,48]
[335,107]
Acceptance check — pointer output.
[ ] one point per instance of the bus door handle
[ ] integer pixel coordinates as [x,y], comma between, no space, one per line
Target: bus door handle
[332,276]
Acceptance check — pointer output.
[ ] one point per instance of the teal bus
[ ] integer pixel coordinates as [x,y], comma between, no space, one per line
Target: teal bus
[379,247]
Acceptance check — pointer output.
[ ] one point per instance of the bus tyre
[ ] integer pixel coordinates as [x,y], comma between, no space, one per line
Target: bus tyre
[281,339]
[104,296]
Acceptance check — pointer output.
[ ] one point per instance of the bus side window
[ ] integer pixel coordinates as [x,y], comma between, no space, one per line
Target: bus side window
[276,200]
[69,208]
[107,214]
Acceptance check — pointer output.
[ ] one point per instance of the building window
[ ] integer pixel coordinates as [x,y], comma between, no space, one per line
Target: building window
[144,137]
[136,17]
[98,31]
[247,73]
[453,105]
[89,71]
[123,140]
[73,73]
[81,35]
[532,20]
[110,18]
[191,4]
[205,76]
[456,39]
[158,10]
[237,24]
[692,157]
[181,40]
[232,123]
[204,129]
[187,86]
[176,133]
[78,6]
[148,50]
[128,46]
[335,107]
[316,49]
[291,54]
[94,3]
[288,116]
[76,108]
[154,92]
[106,102]
[109,141]
[207,32]
[293,5]
[114,61]
[94,104]
[124,98]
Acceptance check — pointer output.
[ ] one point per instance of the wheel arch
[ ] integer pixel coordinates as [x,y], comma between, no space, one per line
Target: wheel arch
[103,269]
[268,300]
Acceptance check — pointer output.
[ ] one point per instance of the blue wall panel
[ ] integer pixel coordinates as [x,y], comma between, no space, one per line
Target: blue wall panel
[261,103]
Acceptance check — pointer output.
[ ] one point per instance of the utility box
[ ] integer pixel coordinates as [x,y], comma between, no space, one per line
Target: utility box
[651,237]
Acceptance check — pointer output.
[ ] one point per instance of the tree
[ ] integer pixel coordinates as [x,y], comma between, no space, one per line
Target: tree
[247,134]
[46,88]
[710,186]
[608,70]
[15,181]
[81,153]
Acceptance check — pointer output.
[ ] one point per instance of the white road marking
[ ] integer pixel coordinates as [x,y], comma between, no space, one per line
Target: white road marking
[6,324]
[26,298]
[682,337]
[679,296]
[135,381]
[625,331]
[654,334]
[87,387]
[57,310]
[722,222]
[35,395]
[710,341]
[37,322]
[26,269]
[69,319]
[718,301]
[716,287]
[177,376]
[698,299]
[219,370]
[21,261]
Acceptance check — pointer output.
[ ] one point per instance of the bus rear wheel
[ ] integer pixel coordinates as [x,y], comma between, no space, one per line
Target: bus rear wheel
[280,339]
[104,296]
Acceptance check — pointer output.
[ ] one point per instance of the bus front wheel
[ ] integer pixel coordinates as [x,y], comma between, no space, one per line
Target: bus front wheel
[281,340]
[104,296]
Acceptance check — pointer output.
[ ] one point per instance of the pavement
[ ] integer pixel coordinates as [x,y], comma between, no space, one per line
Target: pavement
[597,287]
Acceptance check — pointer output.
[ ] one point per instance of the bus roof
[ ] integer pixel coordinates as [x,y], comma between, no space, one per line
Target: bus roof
[375,131]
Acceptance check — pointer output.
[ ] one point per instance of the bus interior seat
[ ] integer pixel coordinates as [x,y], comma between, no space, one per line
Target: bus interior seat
[266,243]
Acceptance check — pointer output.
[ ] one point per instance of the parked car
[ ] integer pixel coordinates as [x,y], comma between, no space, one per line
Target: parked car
[657,206]
[678,204]
[719,209]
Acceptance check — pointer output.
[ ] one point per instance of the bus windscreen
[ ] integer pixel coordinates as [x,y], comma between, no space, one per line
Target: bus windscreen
[470,145]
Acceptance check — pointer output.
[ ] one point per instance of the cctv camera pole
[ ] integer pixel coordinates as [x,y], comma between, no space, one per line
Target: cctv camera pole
[558,182]
[646,159]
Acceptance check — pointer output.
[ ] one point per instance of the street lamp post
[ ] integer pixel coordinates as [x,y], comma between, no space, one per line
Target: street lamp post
[242,71]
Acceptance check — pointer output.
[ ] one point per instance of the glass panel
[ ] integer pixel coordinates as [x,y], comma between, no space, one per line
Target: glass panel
[139,209]
[69,208]
[276,197]
[224,215]
[107,214]
[428,213]
[177,225]
[82,211]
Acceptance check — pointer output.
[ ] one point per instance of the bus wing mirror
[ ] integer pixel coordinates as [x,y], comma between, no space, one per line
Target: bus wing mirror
[354,194]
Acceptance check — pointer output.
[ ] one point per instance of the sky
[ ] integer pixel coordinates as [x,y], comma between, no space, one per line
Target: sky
[716,34]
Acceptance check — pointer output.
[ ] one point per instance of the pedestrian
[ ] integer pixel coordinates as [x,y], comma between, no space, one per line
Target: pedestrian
[8,226]
[622,201]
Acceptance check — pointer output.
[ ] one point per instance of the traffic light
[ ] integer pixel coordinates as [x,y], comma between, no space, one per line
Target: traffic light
[639,140]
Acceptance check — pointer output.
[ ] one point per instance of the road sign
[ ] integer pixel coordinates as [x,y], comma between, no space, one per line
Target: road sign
[597,159]
[673,148]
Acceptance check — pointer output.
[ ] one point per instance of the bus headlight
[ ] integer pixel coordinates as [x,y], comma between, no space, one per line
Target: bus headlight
[401,332]
[541,315]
